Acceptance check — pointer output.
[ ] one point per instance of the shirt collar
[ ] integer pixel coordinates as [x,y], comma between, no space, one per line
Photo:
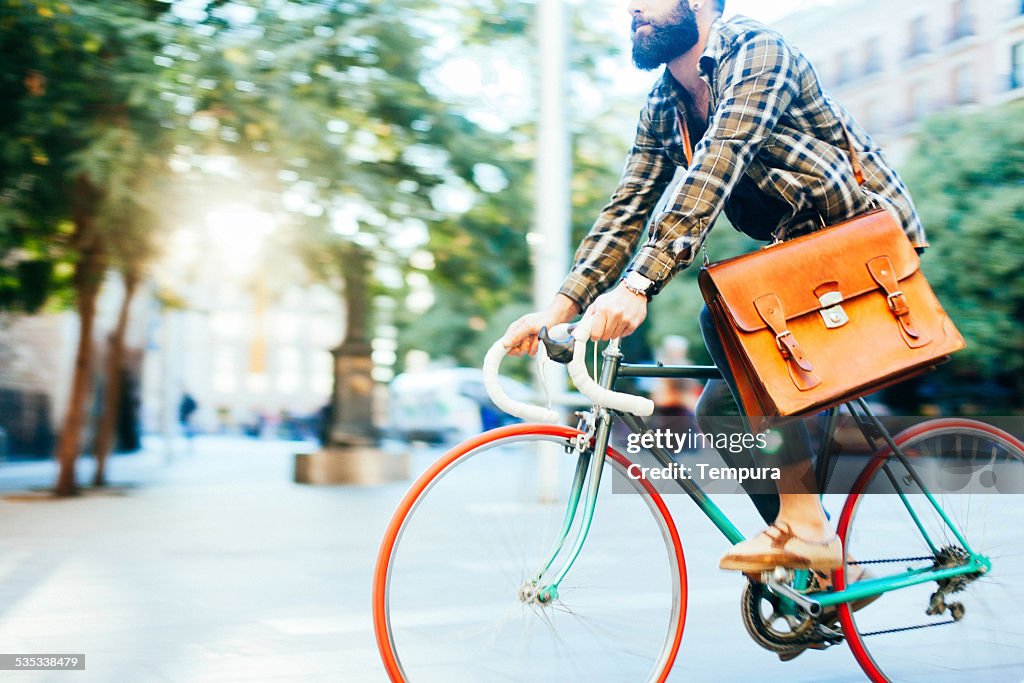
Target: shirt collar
[714,49]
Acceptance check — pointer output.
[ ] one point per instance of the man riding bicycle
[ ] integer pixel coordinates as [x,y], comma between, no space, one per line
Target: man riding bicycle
[769,147]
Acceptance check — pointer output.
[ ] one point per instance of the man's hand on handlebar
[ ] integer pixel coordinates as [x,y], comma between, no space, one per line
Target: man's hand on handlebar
[615,314]
[521,336]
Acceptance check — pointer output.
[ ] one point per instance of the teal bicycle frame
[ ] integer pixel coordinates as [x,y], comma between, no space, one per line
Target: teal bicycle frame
[590,465]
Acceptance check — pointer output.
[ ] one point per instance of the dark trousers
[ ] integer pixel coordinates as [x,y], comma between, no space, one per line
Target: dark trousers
[718,412]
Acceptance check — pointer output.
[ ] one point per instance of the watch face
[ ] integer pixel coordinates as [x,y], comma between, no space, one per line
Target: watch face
[638,281]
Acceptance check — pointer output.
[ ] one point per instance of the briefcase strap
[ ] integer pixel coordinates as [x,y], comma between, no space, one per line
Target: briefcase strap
[858,170]
[883,273]
[769,307]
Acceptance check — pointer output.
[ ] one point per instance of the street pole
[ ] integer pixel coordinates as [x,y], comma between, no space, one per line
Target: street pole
[549,241]
[168,386]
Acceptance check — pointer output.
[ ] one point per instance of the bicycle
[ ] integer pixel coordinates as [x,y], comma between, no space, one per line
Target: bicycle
[504,584]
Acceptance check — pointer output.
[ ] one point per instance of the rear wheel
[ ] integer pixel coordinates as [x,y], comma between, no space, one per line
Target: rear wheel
[451,598]
[939,630]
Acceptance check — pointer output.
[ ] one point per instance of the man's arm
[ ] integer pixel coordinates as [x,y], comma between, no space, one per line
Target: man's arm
[607,248]
[757,86]
[605,251]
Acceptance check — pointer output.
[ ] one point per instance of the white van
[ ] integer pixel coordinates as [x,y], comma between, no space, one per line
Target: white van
[446,405]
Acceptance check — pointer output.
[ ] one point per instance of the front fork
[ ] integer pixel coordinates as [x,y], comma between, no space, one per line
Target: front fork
[592,446]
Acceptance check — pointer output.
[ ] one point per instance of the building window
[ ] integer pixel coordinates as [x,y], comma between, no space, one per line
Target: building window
[844,74]
[873,56]
[288,370]
[872,119]
[963,84]
[920,104]
[963,20]
[225,373]
[918,38]
[1017,66]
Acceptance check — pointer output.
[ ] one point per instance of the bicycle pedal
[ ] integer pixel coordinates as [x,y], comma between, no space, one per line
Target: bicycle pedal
[830,635]
[777,575]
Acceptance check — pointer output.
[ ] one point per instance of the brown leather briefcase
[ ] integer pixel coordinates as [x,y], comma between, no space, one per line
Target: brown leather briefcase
[826,317]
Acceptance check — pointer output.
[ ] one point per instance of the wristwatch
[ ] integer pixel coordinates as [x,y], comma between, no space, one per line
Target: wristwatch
[638,284]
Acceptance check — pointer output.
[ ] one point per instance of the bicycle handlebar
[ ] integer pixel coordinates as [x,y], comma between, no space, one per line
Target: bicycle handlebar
[491,382]
[626,403]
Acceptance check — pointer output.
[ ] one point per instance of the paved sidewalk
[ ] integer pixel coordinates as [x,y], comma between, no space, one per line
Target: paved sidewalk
[215,567]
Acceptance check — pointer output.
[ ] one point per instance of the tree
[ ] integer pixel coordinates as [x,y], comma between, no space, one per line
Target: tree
[132,216]
[480,272]
[966,175]
[338,113]
[84,122]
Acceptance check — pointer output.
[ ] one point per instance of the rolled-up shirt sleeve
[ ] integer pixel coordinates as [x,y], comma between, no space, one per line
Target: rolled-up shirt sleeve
[758,84]
[605,251]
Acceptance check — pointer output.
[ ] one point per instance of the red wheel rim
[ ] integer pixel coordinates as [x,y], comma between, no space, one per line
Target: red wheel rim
[853,639]
[387,547]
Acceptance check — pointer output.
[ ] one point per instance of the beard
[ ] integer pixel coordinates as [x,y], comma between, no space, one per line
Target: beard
[666,39]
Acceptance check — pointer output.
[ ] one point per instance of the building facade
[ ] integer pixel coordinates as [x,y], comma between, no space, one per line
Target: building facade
[893,64]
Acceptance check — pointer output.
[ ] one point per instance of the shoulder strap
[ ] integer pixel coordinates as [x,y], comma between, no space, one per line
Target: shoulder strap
[687,147]
[858,170]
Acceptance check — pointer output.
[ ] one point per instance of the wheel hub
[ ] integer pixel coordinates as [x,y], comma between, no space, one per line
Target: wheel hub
[532,594]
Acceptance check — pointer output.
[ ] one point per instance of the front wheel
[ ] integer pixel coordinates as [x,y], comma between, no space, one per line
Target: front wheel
[448,595]
[968,627]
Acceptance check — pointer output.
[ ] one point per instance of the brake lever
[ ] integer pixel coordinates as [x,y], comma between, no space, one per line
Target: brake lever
[558,350]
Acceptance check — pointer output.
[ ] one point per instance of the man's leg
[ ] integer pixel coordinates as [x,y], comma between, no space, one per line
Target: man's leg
[717,413]
[800,514]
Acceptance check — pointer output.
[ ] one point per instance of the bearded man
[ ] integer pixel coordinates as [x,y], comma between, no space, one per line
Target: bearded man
[742,113]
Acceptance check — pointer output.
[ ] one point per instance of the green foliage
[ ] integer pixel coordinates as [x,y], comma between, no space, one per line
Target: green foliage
[82,112]
[482,262]
[967,179]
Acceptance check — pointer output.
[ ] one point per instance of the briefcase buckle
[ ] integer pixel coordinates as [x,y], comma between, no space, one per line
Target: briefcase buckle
[834,315]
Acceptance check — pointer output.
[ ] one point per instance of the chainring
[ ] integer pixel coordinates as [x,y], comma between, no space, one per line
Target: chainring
[764,630]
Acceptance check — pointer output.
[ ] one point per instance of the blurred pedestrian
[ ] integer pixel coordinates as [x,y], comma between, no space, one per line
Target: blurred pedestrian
[675,397]
[186,409]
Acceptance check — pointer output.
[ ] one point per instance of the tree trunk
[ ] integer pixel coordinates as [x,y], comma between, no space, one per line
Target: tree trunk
[107,430]
[87,281]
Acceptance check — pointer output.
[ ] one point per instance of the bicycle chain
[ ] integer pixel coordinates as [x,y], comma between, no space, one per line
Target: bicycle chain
[805,634]
[947,557]
[926,558]
[906,628]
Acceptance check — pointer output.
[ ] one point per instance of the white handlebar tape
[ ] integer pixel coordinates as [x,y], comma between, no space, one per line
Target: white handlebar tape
[491,382]
[626,403]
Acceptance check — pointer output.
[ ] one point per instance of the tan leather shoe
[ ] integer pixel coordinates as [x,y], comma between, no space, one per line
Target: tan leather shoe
[778,546]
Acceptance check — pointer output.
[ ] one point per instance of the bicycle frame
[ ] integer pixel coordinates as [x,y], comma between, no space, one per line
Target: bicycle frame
[589,468]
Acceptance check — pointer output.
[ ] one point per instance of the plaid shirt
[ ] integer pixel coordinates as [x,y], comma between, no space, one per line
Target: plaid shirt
[772,130]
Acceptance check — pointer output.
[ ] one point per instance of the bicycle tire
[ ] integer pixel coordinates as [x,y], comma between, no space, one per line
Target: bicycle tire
[402,529]
[895,639]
